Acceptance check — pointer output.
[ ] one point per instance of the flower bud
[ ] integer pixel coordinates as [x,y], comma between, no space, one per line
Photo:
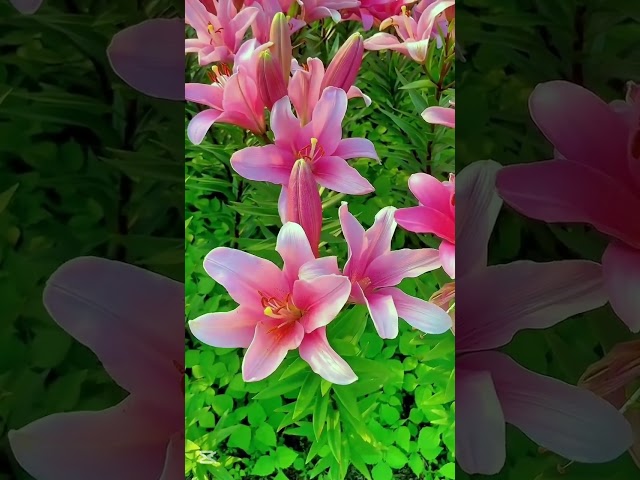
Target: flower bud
[343,69]
[271,85]
[304,205]
[280,36]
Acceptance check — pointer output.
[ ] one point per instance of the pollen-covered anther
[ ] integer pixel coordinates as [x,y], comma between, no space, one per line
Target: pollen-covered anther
[311,152]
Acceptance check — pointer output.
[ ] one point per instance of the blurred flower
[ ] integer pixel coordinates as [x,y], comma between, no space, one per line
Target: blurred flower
[612,378]
[414,31]
[319,143]
[440,116]
[219,36]
[232,97]
[498,301]
[131,319]
[313,10]
[594,179]
[309,81]
[279,310]
[27,6]
[375,270]
[157,72]
[436,214]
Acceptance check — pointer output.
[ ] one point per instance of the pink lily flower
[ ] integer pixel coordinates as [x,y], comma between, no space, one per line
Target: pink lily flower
[436,214]
[415,31]
[232,97]
[27,7]
[279,310]
[319,144]
[597,150]
[440,116]
[267,9]
[374,271]
[313,10]
[372,12]
[491,388]
[130,318]
[218,36]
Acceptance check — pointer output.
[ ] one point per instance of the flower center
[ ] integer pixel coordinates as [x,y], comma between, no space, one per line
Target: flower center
[364,283]
[211,29]
[311,152]
[219,74]
[284,310]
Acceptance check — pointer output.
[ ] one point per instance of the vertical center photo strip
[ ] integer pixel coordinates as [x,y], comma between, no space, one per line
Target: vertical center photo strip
[320,239]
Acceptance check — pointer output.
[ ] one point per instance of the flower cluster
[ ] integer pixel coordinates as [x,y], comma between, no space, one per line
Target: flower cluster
[297,110]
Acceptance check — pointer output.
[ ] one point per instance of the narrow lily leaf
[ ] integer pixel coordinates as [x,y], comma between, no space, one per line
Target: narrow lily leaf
[308,392]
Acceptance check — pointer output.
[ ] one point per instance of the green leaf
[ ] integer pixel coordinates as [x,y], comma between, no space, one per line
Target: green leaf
[264,466]
[256,414]
[308,392]
[347,400]
[382,471]
[403,438]
[389,414]
[334,433]
[320,415]
[395,458]
[416,464]
[5,197]
[448,470]
[241,438]
[285,457]
[266,435]
[222,404]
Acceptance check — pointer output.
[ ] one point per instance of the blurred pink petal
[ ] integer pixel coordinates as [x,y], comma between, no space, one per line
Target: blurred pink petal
[621,266]
[158,71]
[113,307]
[570,421]
[317,352]
[440,116]
[530,295]
[125,442]
[480,424]
[27,6]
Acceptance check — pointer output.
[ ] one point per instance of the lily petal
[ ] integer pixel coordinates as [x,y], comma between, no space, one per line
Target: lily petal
[531,295]
[356,148]
[570,421]
[621,268]
[245,275]
[336,174]
[383,313]
[427,220]
[283,123]
[293,246]
[201,123]
[268,349]
[326,120]
[390,268]
[316,351]
[353,233]
[266,164]
[319,267]
[448,258]
[440,116]
[234,329]
[480,425]
[321,299]
[418,313]
[378,237]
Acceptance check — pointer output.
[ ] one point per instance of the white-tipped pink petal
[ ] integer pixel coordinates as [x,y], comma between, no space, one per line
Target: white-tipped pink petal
[567,420]
[113,307]
[355,92]
[158,71]
[269,348]
[245,275]
[353,233]
[448,258]
[382,41]
[201,123]
[420,314]
[383,313]
[321,299]
[530,295]
[266,164]
[480,425]
[621,268]
[293,246]
[356,148]
[125,442]
[390,268]
[440,116]
[232,329]
[336,174]
[316,351]
[282,204]
[378,237]
[319,267]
